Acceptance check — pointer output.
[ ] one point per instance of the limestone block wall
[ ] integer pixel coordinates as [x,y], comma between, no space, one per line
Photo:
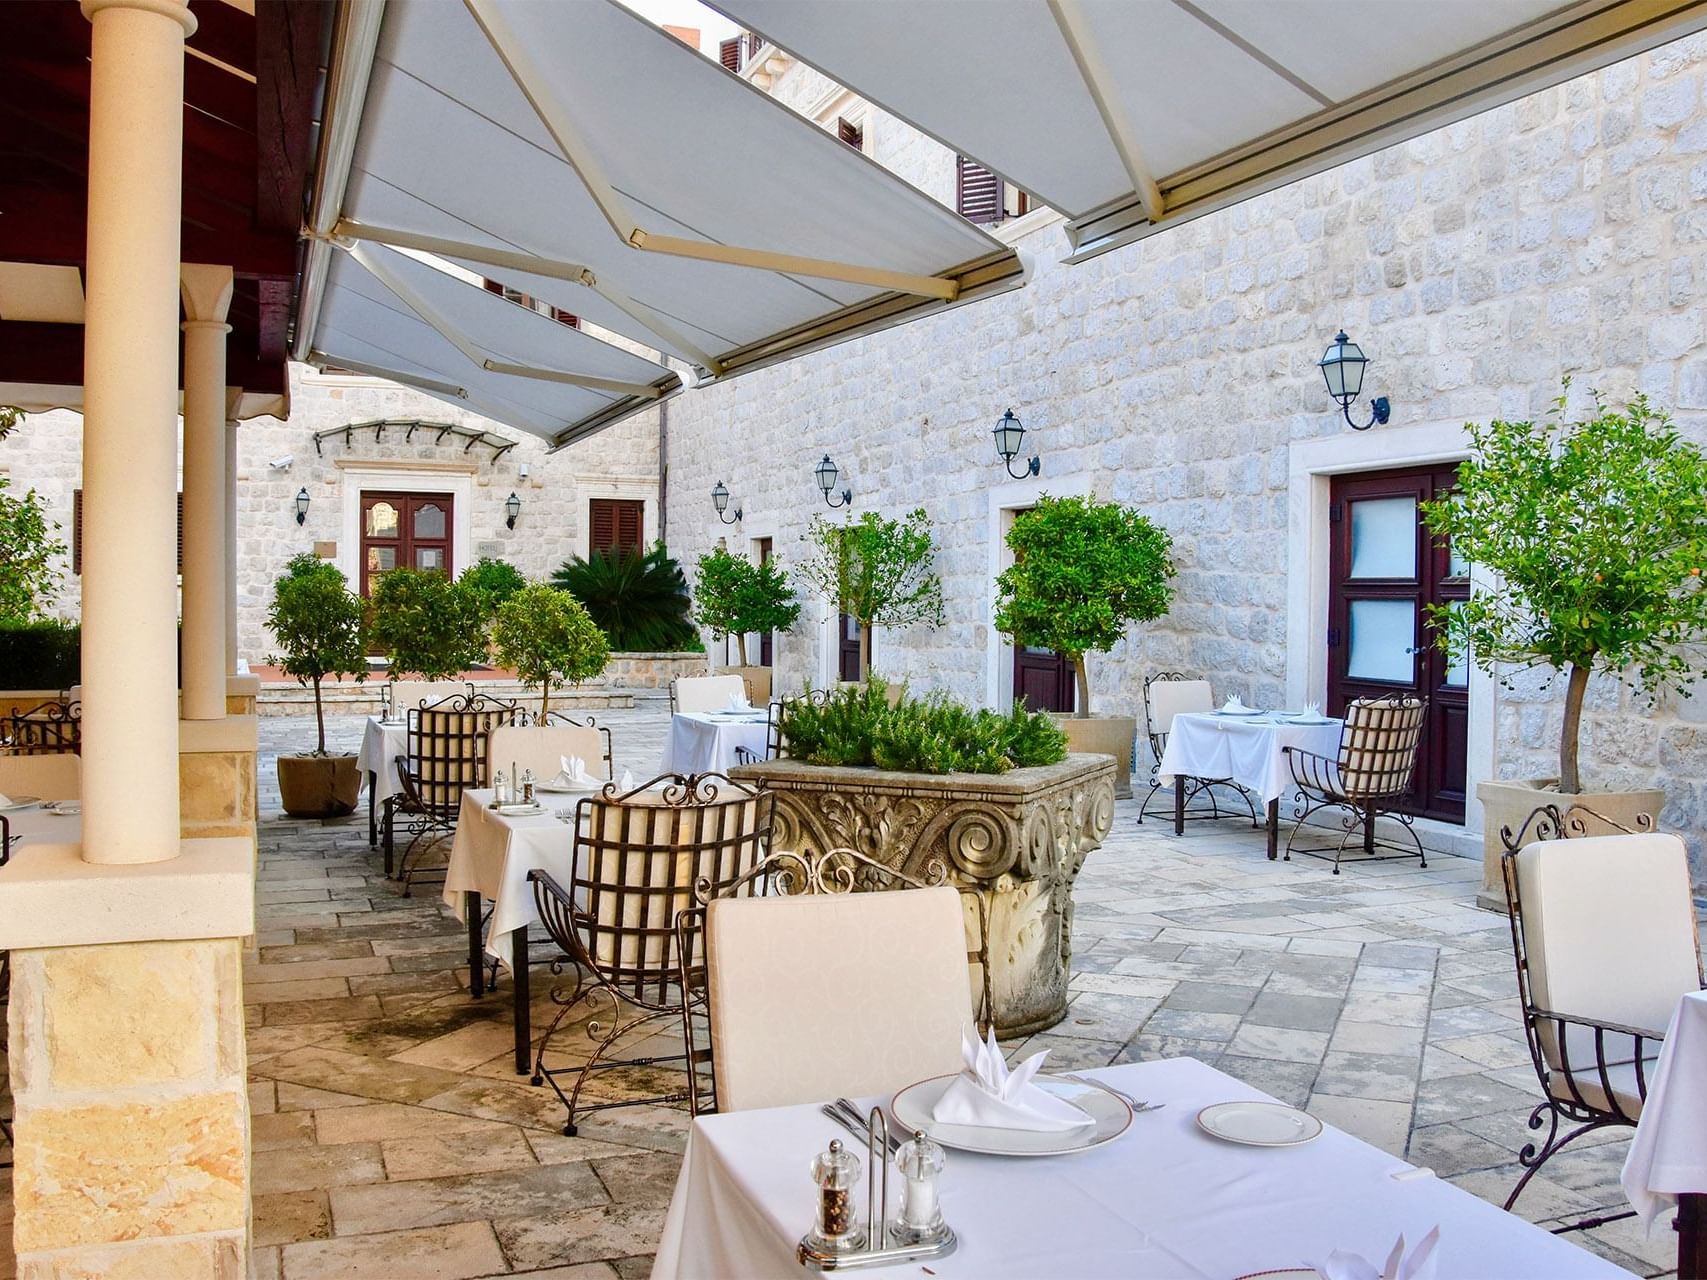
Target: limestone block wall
[1564,235]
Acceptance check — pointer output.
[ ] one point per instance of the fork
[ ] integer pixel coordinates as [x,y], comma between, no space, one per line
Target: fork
[856,1128]
[1138,1105]
[853,1113]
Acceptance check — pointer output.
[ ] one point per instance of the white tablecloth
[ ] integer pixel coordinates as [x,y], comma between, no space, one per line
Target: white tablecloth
[492,854]
[1166,1200]
[382,743]
[1668,1155]
[705,742]
[36,826]
[1247,749]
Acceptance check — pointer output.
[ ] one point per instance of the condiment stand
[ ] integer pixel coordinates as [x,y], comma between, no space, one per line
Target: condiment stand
[880,1244]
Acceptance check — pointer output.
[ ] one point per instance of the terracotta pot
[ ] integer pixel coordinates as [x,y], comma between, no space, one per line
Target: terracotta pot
[1103,735]
[758,682]
[1507,804]
[318,786]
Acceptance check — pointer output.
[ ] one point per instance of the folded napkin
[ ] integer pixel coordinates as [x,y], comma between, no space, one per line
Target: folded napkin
[626,785]
[1313,710]
[1341,1264]
[1234,704]
[988,1094]
[574,774]
[738,702]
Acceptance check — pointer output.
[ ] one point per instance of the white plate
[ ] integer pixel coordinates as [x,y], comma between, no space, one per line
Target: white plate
[565,789]
[1111,1113]
[1259,1124]
[1301,718]
[20,802]
[1248,711]
[63,808]
[518,810]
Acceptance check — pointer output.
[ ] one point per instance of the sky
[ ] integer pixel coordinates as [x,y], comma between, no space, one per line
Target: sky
[714,27]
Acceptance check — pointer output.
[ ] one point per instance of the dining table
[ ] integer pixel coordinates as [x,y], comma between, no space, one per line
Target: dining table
[1245,748]
[30,825]
[712,741]
[1666,1166]
[490,857]
[1163,1200]
[382,742]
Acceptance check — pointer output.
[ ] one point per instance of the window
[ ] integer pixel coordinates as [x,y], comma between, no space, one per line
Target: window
[850,133]
[981,195]
[737,51]
[77,532]
[532,303]
[615,522]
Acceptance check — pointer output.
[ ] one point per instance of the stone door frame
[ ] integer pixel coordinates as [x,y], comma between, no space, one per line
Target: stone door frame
[455,479]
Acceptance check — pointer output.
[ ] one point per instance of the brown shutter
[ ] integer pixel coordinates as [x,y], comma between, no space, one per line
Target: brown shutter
[492,286]
[628,520]
[852,134]
[566,317]
[978,192]
[729,53]
[752,43]
[601,515]
[77,532]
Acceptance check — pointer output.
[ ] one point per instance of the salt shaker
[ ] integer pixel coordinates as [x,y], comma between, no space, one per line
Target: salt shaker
[501,789]
[527,786]
[836,1228]
[919,1161]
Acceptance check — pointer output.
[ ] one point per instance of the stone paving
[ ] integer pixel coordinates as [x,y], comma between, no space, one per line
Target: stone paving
[393,1139]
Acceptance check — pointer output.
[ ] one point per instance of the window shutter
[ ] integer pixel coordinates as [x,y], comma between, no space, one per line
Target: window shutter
[752,42]
[852,134]
[602,519]
[492,286]
[729,53]
[77,532]
[978,192]
[566,317]
[628,531]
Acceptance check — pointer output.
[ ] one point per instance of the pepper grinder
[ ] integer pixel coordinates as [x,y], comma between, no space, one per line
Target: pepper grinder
[527,786]
[836,1228]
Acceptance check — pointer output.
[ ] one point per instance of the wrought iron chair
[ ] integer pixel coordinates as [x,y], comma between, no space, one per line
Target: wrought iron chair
[5,990]
[638,858]
[446,756]
[1368,780]
[1168,694]
[773,724]
[51,728]
[770,975]
[1602,926]
[705,693]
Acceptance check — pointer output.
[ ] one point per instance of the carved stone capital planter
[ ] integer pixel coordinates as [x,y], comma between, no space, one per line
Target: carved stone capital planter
[1017,838]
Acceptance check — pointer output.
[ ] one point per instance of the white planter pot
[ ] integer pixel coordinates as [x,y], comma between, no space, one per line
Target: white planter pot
[1505,805]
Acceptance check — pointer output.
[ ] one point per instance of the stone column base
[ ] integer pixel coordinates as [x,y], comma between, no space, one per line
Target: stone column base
[216,777]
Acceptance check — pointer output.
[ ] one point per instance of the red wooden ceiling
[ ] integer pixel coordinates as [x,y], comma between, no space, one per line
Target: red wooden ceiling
[246,161]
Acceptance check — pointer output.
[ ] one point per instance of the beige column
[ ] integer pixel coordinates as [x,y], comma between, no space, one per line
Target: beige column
[231,537]
[130,429]
[207,295]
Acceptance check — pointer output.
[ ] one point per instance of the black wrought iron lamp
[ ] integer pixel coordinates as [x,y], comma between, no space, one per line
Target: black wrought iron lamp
[1342,368]
[825,471]
[512,509]
[302,506]
[1009,432]
[720,500]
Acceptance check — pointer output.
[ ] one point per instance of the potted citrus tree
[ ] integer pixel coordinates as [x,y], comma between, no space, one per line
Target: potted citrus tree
[548,638]
[318,624]
[1591,537]
[735,597]
[878,571]
[1084,570]
[426,625]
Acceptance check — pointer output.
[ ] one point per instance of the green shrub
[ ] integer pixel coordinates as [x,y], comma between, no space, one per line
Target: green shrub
[41,655]
[29,580]
[318,622]
[493,581]
[857,726]
[549,639]
[638,598]
[427,625]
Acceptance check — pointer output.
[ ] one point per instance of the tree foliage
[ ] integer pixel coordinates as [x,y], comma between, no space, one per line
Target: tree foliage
[1084,570]
[29,582]
[549,639]
[493,581]
[639,599]
[1594,536]
[319,624]
[426,624]
[734,596]
[881,572]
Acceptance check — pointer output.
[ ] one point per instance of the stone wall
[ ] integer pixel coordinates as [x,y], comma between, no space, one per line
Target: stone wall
[1564,235]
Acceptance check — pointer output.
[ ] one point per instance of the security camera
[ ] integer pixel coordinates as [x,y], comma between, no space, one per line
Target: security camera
[282,464]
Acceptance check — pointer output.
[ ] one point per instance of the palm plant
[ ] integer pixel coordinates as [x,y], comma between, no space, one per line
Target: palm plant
[638,598]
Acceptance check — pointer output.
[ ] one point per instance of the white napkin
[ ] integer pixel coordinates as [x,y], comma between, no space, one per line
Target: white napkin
[988,1094]
[626,785]
[574,774]
[1233,704]
[1312,711]
[1341,1264]
[738,702]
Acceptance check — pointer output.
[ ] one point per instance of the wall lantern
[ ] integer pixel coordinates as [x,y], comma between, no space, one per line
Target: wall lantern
[826,473]
[1009,432]
[720,500]
[302,506]
[512,509]
[1342,369]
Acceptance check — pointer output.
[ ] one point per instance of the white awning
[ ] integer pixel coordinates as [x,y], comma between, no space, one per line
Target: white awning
[1128,116]
[577,153]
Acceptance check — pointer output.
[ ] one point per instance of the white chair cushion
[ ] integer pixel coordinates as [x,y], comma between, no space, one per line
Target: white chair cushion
[542,748]
[835,995]
[58,776]
[1170,698]
[1622,1077]
[708,693]
[1609,927]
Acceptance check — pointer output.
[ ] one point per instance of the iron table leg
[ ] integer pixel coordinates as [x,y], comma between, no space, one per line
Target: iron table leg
[1692,1237]
[1273,828]
[372,822]
[476,958]
[519,988]
[1179,804]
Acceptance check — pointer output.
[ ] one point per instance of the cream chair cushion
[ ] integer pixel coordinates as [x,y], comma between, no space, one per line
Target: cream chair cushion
[1170,698]
[1609,927]
[409,694]
[834,995]
[708,693]
[46,777]
[543,749]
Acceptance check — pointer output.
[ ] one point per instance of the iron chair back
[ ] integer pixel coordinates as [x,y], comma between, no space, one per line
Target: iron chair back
[638,859]
[1368,778]
[1625,942]
[543,748]
[1168,694]
[52,728]
[447,749]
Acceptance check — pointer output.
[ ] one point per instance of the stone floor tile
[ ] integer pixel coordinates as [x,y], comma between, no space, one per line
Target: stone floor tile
[264,1262]
[1098,1017]
[458,1251]
[1369,1075]
[296,1097]
[281,1129]
[425,1202]
[1378,1037]
[580,1235]
[466,1047]
[380,1121]
[1449,1149]
[643,1179]
[290,1216]
[308,970]
[1381,1124]
[579,1271]
[1290,1082]
[1211,997]
[1300,1013]
[374,1078]
[311,1168]
[457,1153]
[336,1009]
[1284,1044]
[1456,1097]
[1489,1049]
[1375,977]
[1191,1025]
[1379,1006]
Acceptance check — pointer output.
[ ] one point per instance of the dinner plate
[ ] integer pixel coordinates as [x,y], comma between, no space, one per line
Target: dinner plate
[20,802]
[1301,718]
[1244,711]
[1259,1124]
[568,789]
[1111,1114]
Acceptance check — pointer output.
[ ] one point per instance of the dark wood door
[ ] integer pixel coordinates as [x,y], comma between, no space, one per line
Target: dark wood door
[767,639]
[1044,680]
[847,648]
[408,529]
[1384,571]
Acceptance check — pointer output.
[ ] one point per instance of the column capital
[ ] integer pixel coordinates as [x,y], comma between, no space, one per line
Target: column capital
[206,291]
[177,10]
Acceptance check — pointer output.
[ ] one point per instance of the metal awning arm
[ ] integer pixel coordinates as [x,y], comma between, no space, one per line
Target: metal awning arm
[319,357]
[1070,19]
